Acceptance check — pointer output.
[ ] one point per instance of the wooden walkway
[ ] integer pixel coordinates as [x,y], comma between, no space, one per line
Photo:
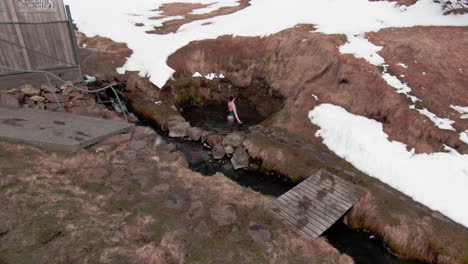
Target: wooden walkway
[317,203]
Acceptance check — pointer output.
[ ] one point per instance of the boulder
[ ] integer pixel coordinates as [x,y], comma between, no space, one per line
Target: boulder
[223,215]
[240,159]
[37,98]
[179,129]
[29,90]
[194,133]
[8,100]
[218,152]
[234,139]
[214,140]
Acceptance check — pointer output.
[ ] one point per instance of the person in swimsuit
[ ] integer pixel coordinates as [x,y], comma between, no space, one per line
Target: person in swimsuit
[232,110]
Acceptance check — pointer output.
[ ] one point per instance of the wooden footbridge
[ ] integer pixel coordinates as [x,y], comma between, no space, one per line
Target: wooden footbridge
[317,203]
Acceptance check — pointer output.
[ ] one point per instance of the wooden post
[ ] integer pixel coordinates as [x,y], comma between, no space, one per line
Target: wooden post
[21,41]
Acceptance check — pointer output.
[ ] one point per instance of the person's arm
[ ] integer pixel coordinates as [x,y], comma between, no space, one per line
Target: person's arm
[235,113]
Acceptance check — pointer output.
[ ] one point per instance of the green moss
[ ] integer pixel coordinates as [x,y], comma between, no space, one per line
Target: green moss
[47,228]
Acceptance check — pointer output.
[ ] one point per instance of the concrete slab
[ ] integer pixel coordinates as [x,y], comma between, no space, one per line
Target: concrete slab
[56,131]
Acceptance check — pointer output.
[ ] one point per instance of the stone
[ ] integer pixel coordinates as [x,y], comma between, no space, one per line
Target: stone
[51,106]
[143,131]
[90,101]
[223,215]
[218,152]
[194,133]
[138,145]
[229,150]
[234,139]
[173,201]
[37,98]
[57,98]
[240,159]
[162,146]
[76,95]
[8,100]
[50,89]
[79,110]
[196,210]
[29,90]
[117,140]
[205,135]
[179,130]
[259,233]
[214,140]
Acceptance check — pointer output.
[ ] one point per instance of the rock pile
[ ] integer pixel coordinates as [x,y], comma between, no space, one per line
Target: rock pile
[53,98]
[230,145]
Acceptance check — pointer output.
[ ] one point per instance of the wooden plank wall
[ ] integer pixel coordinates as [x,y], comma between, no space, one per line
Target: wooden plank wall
[316,204]
[49,46]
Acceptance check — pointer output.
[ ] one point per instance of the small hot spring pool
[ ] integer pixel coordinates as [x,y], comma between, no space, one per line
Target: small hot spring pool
[213,117]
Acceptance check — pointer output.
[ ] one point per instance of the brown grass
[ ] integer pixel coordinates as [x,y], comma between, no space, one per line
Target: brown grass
[184,9]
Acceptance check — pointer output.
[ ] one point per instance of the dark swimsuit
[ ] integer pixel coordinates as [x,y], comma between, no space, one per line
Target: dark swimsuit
[231,113]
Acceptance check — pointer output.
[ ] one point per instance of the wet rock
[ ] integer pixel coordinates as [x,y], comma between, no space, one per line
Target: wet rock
[214,140]
[234,139]
[194,133]
[229,150]
[259,233]
[218,152]
[240,159]
[223,215]
[179,130]
[57,98]
[29,90]
[173,201]
[8,100]
[196,210]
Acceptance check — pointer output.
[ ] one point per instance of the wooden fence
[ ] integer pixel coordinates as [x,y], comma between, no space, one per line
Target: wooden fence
[36,35]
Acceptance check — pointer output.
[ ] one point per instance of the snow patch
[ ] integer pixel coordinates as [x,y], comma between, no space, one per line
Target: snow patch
[315,97]
[442,123]
[464,136]
[402,65]
[197,75]
[460,109]
[436,180]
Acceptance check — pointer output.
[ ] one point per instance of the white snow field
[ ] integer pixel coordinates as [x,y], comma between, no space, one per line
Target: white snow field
[116,18]
[437,180]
